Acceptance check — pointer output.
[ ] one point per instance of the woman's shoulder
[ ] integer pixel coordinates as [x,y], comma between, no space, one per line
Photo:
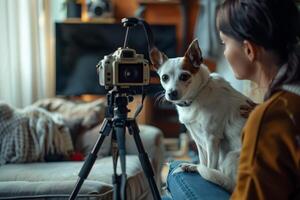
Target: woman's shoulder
[279,114]
[281,106]
[281,102]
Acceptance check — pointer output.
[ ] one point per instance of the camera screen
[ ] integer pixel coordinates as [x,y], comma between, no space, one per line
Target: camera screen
[130,73]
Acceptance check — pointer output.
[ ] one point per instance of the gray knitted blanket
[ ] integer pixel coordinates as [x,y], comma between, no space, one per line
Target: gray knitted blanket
[30,134]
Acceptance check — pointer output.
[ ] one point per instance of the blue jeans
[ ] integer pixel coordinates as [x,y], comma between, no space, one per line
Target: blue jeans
[191,186]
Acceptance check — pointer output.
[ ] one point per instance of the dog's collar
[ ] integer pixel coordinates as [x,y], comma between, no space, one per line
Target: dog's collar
[188,103]
[184,103]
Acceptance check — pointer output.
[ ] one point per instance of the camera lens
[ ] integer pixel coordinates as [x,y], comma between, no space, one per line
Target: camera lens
[98,10]
[131,73]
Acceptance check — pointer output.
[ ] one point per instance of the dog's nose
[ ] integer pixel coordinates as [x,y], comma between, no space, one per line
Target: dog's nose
[173,95]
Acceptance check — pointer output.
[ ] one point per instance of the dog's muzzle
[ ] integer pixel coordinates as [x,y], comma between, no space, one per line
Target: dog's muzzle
[173,95]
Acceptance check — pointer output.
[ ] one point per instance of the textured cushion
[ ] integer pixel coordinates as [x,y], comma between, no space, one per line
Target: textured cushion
[86,141]
[55,189]
[46,178]
[150,136]
[79,116]
[32,134]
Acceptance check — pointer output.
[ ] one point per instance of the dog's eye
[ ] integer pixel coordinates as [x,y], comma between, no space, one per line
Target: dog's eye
[184,77]
[164,78]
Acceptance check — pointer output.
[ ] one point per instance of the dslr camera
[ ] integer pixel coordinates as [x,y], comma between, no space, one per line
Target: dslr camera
[100,8]
[124,68]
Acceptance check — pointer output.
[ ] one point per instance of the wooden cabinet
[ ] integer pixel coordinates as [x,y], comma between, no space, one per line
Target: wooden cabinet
[183,14]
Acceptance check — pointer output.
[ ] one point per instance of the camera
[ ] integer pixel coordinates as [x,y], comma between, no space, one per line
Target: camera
[124,68]
[100,8]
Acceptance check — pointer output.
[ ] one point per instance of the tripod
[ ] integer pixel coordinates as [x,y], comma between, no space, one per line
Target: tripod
[116,122]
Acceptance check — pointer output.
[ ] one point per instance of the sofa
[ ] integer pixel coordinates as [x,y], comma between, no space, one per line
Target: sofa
[54,176]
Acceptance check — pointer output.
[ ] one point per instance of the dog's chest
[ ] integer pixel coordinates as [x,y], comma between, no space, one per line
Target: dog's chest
[197,132]
[195,120]
[191,115]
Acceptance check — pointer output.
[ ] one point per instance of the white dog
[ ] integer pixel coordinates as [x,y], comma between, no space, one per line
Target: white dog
[210,109]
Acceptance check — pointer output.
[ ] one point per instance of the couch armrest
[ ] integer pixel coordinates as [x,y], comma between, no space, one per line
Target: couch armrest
[152,139]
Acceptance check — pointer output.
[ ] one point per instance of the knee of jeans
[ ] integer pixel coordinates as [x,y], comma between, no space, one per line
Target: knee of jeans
[174,165]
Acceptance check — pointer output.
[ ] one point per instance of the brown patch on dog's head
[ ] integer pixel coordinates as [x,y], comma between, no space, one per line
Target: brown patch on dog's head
[188,66]
[194,54]
[157,58]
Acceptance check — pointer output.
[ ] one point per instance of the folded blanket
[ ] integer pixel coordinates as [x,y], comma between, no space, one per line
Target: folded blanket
[79,116]
[31,134]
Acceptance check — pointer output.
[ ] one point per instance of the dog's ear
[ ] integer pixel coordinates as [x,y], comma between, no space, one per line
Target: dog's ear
[157,58]
[194,54]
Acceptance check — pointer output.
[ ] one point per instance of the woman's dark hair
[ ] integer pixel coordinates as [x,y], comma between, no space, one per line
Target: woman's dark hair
[272,24]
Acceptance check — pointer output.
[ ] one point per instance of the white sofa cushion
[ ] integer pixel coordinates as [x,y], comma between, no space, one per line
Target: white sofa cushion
[56,178]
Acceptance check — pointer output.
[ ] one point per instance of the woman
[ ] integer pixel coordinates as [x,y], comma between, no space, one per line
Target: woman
[261,39]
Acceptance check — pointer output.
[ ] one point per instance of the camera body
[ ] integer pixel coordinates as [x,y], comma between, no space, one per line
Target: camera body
[100,8]
[123,68]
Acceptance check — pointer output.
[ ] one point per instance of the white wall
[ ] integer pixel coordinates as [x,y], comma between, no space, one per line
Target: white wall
[58,11]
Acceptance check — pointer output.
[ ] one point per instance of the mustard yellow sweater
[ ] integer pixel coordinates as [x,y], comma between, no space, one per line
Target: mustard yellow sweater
[269,165]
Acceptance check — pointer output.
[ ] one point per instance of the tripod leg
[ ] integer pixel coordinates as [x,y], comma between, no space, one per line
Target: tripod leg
[115,177]
[144,159]
[88,164]
[120,135]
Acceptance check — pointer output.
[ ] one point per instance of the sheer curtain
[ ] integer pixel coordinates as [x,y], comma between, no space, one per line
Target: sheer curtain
[26,51]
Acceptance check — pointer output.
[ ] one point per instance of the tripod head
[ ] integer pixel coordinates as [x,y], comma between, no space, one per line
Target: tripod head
[129,22]
[117,101]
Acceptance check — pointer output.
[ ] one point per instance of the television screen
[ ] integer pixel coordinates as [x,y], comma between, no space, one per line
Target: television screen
[80,46]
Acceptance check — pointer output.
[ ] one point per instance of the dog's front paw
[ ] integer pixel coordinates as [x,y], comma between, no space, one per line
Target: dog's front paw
[216,177]
[186,167]
[189,167]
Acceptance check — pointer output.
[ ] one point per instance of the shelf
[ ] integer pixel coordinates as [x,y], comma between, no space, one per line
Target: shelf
[158,1]
[98,20]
